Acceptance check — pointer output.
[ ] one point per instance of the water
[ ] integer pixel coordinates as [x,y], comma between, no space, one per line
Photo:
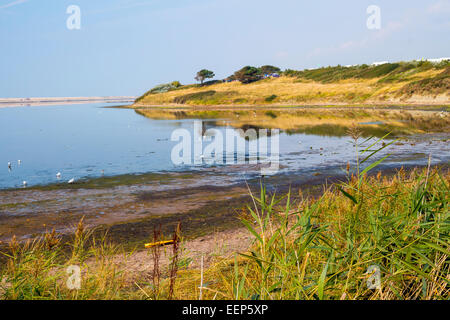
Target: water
[86,141]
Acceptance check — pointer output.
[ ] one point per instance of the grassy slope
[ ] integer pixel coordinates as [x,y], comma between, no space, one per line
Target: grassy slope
[405,83]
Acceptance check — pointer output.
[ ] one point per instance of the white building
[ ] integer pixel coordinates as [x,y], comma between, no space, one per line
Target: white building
[438,60]
[379,63]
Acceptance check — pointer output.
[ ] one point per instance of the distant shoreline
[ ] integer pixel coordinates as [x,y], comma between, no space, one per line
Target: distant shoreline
[331,104]
[24,102]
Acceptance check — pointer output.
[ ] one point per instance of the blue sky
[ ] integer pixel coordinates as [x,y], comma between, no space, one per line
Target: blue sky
[124,47]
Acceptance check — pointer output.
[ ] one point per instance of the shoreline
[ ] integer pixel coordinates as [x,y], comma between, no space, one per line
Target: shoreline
[376,105]
[293,107]
[202,207]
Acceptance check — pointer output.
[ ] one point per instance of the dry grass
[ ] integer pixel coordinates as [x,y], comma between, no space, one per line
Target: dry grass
[294,91]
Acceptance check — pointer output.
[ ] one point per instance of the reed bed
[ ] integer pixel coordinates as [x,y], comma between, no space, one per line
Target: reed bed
[370,237]
[327,248]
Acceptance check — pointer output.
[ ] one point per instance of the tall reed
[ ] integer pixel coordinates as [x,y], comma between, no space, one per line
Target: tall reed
[328,248]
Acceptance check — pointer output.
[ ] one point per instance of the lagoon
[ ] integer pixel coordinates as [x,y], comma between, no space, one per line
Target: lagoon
[91,140]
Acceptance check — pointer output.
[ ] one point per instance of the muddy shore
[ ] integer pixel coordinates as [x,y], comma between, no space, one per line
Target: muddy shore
[129,212]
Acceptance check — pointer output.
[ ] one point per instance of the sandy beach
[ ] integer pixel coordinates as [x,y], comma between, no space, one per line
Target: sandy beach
[32,102]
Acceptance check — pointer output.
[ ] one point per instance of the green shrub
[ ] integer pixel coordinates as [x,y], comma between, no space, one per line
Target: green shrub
[270,114]
[435,85]
[291,73]
[161,88]
[194,96]
[378,71]
[240,100]
[270,98]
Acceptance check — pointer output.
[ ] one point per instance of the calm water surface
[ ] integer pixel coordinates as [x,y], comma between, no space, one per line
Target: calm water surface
[86,141]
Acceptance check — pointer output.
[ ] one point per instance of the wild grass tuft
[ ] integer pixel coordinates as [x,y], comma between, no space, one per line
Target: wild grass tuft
[326,248]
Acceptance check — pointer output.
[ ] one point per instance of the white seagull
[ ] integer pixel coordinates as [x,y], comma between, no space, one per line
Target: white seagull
[72,180]
[24,183]
[58,175]
[19,162]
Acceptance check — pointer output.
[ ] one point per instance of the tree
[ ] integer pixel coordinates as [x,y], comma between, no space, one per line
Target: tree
[269,69]
[204,74]
[248,74]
